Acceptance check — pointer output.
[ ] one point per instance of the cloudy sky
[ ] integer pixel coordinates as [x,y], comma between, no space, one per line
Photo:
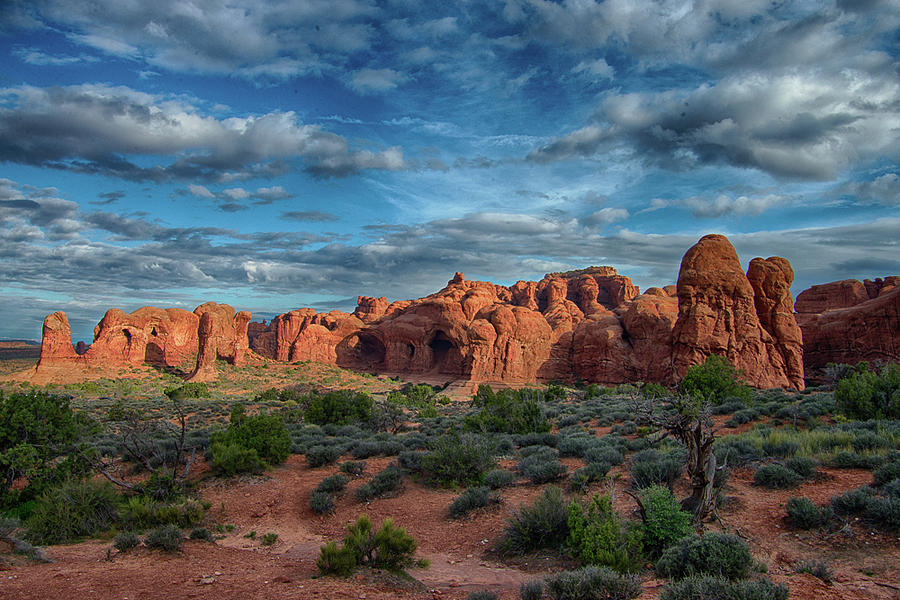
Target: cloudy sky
[281,154]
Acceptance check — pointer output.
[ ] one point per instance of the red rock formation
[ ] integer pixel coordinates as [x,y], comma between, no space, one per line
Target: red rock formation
[222,334]
[369,310]
[860,322]
[717,315]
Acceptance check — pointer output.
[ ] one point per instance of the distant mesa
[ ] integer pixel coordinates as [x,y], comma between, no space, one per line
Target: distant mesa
[589,325]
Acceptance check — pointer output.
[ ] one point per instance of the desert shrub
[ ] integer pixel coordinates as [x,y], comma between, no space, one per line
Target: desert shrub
[482,595]
[541,467]
[886,472]
[852,502]
[353,467]
[776,477]
[458,459]
[334,560]
[884,511]
[865,394]
[322,503]
[802,466]
[574,445]
[411,460]
[532,589]
[385,481]
[536,439]
[319,456]
[604,454]
[470,499]
[498,478]
[140,512]
[803,513]
[718,588]
[853,460]
[816,568]
[230,459]
[201,533]
[719,554]
[599,536]
[188,390]
[339,407]
[652,467]
[543,524]
[593,583]
[267,434]
[268,539]
[715,381]
[71,510]
[654,391]
[165,537]
[664,521]
[333,483]
[586,475]
[126,541]
[507,411]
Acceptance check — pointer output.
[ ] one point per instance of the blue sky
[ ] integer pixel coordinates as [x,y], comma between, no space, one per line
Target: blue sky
[274,155]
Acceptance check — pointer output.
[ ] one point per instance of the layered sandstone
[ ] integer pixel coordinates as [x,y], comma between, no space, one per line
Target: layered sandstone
[222,333]
[848,321]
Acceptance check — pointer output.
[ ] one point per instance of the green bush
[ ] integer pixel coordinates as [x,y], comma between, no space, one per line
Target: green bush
[339,407]
[387,480]
[470,499]
[139,512]
[126,541]
[853,502]
[543,524]
[390,547]
[353,467]
[776,477]
[593,583]
[718,554]
[458,460]
[715,381]
[71,510]
[319,456]
[886,473]
[333,483]
[507,411]
[499,478]
[599,536]
[322,503]
[482,595]
[334,560]
[231,459]
[542,467]
[165,537]
[201,533]
[187,391]
[267,434]
[845,459]
[803,513]
[865,394]
[269,539]
[531,590]
[816,568]
[718,588]
[664,521]
[884,511]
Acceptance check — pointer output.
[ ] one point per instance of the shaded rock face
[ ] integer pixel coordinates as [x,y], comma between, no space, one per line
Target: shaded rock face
[848,321]
[221,334]
[717,314]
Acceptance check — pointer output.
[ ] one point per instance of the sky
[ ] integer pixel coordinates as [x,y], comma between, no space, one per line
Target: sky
[276,155]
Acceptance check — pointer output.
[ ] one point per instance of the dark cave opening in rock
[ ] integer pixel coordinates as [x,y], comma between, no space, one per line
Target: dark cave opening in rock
[362,351]
[444,353]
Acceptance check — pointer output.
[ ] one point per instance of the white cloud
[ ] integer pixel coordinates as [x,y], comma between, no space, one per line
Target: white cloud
[605,216]
[369,81]
[723,205]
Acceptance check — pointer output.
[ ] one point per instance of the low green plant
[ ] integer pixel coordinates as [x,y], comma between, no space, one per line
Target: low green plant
[322,503]
[652,467]
[458,460]
[866,394]
[71,510]
[336,560]
[385,481]
[482,595]
[268,539]
[803,513]
[532,589]
[714,381]
[266,434]
[664,523]
[231,459]
[593,583]
[339,407]
[333,483]
[165,537]
[543,524]
[507,411]
[776,477]
[816,568]
[599,536]
[718,588]
[390,547]
[125,541]
[353,467]
[499,478]
[470,499]
[201,533]
[321,455]
[717,554]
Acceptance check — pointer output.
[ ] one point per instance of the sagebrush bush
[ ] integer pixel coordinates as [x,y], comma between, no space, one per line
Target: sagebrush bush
[201,533]
[126,541]
[543,524]
[852,502]
[718,554]
[470,499]
[593,583]
[139,512]
[599,536]
[165,537]
[854,460]
[321,455]
[652,467]
[664,521]
[886,473]
[541,467]
[776,477]
[71,510]
[322,503]
[718,588]
[499,478]
[482,595]
[353,467]
[816,568]
[387,480]
[802,466]
[333,483]
[458,460]
[803,513]
[532,589]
